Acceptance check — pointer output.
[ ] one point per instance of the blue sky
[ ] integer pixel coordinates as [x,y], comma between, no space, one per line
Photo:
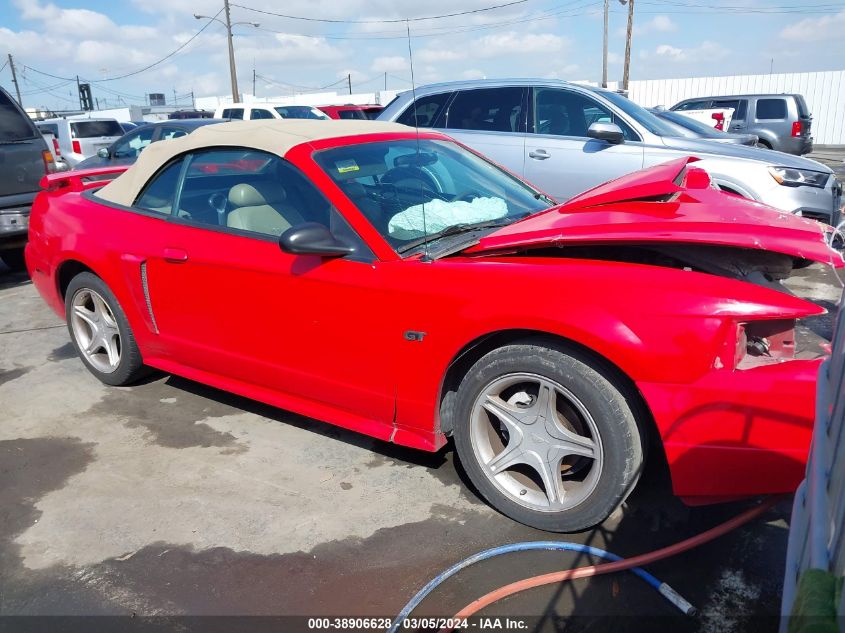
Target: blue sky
[673,38]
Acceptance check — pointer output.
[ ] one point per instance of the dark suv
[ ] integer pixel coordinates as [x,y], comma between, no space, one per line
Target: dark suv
[780,121]
[24,159]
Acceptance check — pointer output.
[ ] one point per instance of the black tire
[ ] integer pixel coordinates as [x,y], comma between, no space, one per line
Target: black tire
[601,393]
[130,367]
[764,144]
[14,259]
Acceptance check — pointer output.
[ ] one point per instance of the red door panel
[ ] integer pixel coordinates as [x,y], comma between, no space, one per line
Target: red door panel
[239,307]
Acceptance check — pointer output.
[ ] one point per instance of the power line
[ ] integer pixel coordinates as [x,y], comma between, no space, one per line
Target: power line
[140,70]
[566,10]
[388,21]
[284,84]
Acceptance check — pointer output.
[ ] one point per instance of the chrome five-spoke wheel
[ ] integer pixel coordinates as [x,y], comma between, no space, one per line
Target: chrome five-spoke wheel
[536,442]
[96,331]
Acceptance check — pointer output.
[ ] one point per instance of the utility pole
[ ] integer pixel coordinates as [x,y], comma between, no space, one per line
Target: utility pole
[253,78]
[627,70]
[15,79]
[79,91]
[232,72]
[349,79]
[604,50]
[193,103]
[385,81]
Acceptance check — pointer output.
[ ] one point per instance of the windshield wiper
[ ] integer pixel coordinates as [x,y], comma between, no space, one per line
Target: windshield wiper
[456,229]
[541,196]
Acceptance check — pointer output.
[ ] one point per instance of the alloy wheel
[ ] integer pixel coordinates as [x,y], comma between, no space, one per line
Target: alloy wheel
[536,442]
[95,330]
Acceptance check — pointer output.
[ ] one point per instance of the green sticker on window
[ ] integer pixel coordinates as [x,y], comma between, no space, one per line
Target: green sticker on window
[344,166]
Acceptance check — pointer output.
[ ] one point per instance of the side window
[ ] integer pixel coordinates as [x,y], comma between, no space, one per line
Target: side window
[492,109]
[232,113]
[352,114]
[167,133]
[694,105]
[771,109]
[428,110]
[250,191]
[132,146]
[259,113]
[160,191]
[739,106]
[566,113]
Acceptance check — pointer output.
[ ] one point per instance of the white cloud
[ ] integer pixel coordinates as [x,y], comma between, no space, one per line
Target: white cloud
[437,55]
[473,73]
[826,27]
[705,53]
[514,43]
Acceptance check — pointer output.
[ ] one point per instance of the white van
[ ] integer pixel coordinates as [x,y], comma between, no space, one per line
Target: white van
[251,111]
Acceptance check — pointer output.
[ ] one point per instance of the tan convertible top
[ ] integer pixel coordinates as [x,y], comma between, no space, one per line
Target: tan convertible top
[276,136]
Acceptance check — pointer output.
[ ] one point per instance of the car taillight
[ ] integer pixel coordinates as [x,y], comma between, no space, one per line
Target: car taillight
[49,163]
[56,150]
[77,148]
[719,118]
[796,128]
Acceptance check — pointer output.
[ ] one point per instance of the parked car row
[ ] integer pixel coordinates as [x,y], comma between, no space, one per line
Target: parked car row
[566,138]
[551,390]
[781,121]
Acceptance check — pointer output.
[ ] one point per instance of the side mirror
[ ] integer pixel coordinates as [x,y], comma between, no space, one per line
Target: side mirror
[103,152]
[312,238]
[609,132]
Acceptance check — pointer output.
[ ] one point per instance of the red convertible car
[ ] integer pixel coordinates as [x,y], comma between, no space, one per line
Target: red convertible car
[396,283]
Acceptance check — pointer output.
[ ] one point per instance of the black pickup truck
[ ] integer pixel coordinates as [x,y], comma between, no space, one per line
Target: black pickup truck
[24,159]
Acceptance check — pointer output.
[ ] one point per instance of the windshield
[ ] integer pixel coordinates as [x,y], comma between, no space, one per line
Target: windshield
[642,116]
[413,190]
[300,112]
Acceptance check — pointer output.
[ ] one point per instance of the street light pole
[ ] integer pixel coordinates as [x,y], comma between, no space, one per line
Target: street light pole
[604,50]
[232,72]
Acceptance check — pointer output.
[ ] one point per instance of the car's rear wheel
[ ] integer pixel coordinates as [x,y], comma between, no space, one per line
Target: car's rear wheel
[764,145]
[14,259]
[547,436]
[100,331]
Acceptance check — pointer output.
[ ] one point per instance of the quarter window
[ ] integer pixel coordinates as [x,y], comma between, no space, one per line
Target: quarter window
[160,192]
[769,109]
[425,111]
[258,113]
[489,109]
[566,113]
[232,113]
[693,105]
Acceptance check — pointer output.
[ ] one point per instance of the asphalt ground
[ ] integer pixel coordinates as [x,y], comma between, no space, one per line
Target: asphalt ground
[170,498]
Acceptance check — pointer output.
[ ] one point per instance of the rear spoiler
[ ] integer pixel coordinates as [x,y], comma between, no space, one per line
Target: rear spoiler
[74,180]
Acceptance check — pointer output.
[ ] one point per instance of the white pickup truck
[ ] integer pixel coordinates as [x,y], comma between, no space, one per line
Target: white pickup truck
[718,118]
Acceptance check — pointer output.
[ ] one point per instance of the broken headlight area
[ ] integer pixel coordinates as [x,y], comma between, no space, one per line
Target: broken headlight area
[771,341]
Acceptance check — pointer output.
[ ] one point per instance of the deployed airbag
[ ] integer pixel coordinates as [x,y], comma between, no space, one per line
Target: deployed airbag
[434,216]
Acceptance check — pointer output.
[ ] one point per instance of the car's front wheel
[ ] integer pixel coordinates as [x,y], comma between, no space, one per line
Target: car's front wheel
[100,331]
[547,436]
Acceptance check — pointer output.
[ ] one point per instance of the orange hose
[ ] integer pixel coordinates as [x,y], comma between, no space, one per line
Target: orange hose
[606,568]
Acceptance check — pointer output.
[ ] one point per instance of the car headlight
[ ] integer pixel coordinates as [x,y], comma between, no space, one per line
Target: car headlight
[791,177]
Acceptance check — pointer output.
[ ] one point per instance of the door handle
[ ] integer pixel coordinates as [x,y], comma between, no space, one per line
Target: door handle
[539,154]
[175,255]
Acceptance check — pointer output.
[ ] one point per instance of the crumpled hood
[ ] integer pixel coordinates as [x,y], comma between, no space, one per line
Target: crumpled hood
[668,203]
